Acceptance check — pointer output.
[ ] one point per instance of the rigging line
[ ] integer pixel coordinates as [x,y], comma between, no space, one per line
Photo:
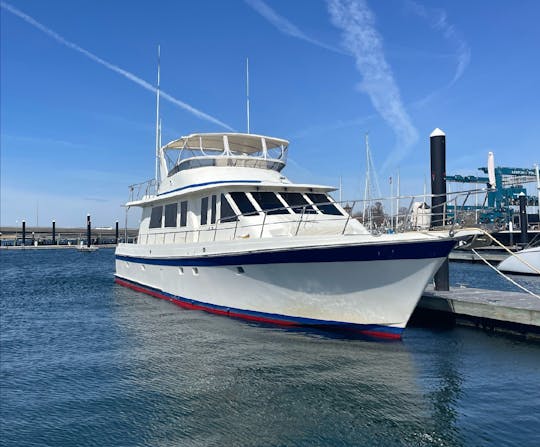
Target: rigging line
[505,276]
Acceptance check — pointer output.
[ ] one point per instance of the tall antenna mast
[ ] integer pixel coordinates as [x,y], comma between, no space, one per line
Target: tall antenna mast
[247,92]
[158,137]
[366,189]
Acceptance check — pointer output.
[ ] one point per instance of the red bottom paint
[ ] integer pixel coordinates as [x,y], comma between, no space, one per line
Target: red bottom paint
[228,313]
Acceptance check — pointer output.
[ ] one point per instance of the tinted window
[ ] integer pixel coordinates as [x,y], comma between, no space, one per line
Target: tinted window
[227,213]
[183,213]
[155,217]
[170,214]
[324,204]
[268,201]
[213,209]
[243,203]
[204,210]
[297,202]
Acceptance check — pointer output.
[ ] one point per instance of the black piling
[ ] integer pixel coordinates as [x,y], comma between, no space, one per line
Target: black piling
[54,232]
[523,222]
[24,233]
[116,234]
[437,143]
[88,230]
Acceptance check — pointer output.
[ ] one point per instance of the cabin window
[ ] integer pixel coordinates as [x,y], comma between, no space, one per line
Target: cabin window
[243,203]
[297,202]
[227,214]
[213,210]
[155,217]
[204,210]
[183,213]
[171,212]
[269,203]
[324,204]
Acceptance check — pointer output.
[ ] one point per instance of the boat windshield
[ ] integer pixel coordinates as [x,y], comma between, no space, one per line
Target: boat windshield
[269,203]
[324,204]
[298,203]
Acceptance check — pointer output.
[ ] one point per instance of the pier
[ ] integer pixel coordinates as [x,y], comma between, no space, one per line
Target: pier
[61,237]
[492,310]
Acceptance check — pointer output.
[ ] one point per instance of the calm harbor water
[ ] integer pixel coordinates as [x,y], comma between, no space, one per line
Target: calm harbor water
[86,362]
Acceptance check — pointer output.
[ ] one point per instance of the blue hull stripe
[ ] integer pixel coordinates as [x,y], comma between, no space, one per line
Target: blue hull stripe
[344,253]
[197,185]
[264,316]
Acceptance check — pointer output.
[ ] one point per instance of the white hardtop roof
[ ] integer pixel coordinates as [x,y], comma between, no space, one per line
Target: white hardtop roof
[237,142]
[262,186]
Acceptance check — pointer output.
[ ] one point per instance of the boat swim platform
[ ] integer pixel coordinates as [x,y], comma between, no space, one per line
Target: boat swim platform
[492,310]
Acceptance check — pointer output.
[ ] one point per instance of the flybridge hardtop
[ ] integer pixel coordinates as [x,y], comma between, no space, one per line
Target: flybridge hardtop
[235,159]
[224,149]
[241,142]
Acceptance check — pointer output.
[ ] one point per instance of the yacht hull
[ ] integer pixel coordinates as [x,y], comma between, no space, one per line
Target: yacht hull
[367,288]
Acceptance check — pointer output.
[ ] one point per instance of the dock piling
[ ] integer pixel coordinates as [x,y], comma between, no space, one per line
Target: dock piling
[116,234]
[437,142]
[54,232]
[88,230]
[523,222]
[24,233]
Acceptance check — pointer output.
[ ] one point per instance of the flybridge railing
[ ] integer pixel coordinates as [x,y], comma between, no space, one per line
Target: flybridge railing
[139,191]
[416,216]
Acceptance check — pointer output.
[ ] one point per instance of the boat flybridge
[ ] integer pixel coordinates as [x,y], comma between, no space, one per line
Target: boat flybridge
[223,230]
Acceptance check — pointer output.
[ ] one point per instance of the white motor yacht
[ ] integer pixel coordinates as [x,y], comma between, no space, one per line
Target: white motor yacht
[223,230]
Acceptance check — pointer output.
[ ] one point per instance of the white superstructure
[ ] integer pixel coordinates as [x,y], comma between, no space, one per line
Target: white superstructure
[224,230]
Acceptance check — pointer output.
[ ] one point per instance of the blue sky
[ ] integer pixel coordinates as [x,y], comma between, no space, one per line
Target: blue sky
[78,110]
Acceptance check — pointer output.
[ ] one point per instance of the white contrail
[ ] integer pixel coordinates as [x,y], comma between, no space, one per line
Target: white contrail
[285,26]
[438,20]
[361,38]
[112,67]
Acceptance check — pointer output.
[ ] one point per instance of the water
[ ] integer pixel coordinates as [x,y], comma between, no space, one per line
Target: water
[86,362]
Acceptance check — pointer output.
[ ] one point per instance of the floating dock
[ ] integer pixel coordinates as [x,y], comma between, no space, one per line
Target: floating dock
[493,255]
[492,310]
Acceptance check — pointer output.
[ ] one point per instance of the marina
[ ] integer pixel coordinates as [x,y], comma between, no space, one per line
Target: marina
[302,258]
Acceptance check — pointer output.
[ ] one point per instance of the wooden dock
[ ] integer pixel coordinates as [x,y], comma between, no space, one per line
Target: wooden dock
[492,253]
[493,310]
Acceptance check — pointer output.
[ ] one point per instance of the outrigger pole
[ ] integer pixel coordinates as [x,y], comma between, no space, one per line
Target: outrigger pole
[158,136]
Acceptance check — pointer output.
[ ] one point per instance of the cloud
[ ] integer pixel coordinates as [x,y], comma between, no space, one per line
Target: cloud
[438,20]
[356,21]
[112,67]
[285,26]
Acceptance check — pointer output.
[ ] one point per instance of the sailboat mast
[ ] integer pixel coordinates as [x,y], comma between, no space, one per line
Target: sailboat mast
[537,172]
[157,122]
[366,189]
[247,93]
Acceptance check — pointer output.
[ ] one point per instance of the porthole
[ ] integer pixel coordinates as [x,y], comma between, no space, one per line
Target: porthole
[195,271]
[180,270]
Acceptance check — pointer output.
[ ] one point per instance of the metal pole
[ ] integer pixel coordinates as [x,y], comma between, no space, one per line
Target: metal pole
[54,232]
[523,224]
[88,230]
[116,234]
[24,233]
[537,172]
[437,141]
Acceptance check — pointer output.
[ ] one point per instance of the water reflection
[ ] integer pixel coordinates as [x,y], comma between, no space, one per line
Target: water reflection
[223,381]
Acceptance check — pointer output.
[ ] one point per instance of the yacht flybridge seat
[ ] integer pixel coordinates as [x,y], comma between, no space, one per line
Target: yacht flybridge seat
[225,149]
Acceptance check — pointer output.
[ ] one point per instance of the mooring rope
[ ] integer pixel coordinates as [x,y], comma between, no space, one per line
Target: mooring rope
[505,276]
[534,269]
